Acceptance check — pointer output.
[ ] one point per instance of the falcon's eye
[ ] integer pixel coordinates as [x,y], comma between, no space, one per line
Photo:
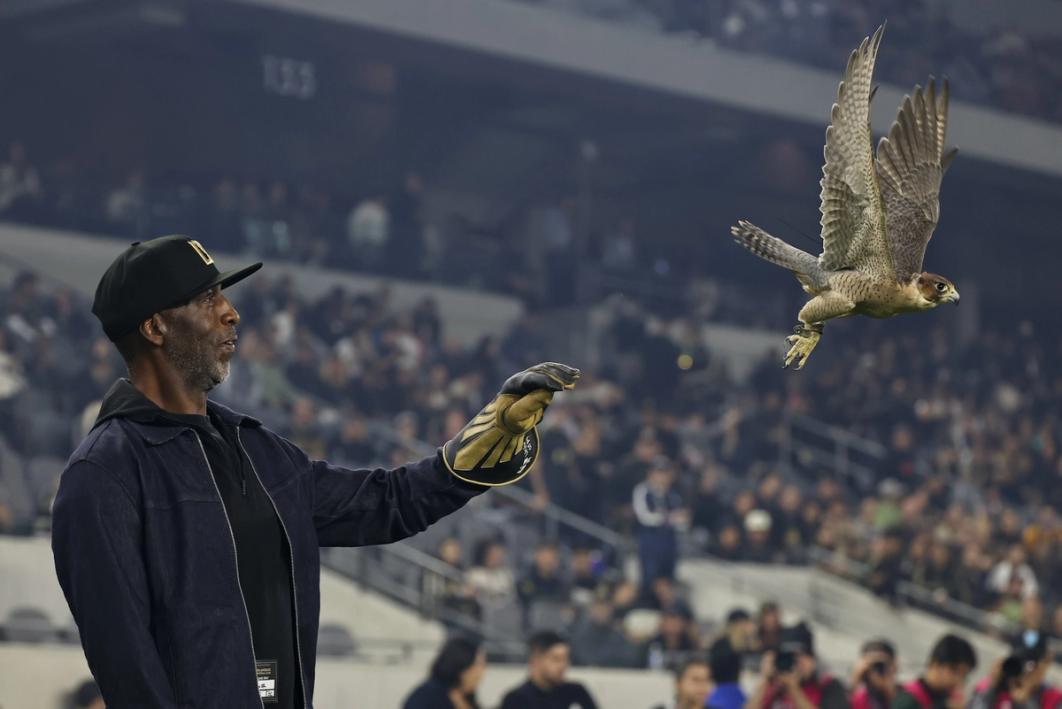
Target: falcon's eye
[941,287]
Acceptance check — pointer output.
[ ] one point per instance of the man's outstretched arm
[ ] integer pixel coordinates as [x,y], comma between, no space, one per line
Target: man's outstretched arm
[497,447]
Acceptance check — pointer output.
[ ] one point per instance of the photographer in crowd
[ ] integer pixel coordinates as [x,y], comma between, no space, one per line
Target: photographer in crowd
[1017,681]
[874,676]
[950,662]
[790,677]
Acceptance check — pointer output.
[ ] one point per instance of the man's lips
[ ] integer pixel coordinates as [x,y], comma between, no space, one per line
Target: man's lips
[229,345]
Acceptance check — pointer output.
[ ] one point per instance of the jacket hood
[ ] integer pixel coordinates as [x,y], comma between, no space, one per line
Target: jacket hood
[124,400]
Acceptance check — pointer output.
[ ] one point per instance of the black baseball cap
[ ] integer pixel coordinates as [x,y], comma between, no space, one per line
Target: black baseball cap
[154,275]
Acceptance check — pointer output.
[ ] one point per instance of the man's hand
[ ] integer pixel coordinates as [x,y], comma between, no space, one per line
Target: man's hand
[524,397]
[500,444]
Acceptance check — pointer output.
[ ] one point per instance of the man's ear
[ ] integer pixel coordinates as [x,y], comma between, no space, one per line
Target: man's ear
[154,330]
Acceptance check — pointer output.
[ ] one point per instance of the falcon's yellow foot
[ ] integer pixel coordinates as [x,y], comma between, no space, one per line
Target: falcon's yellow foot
[802,341]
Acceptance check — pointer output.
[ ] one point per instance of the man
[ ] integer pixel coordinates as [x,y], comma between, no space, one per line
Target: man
[660,513]
[950,661]
[874,676]
[791,679]
[545,688]
[738,636]
[543,581]
[598,641]
[691,685]
[1018,680]
[726,680]
[186,534]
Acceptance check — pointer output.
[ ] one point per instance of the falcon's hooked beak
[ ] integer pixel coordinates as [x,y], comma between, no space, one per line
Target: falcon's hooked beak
[952,297]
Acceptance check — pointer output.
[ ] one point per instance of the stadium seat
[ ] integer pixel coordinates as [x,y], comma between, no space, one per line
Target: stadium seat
[549,614]
[29,625]
[334,640]
[42,473]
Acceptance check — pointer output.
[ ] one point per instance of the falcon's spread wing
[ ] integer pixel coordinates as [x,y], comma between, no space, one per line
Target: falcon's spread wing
[853,224]
[910,165]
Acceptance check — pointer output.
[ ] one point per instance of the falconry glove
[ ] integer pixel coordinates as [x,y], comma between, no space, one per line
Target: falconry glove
[500,444]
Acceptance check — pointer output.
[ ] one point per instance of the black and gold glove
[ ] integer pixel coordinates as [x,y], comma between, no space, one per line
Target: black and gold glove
[500,444]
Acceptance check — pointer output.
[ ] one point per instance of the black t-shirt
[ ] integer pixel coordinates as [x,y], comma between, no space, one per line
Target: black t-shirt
[262,554]
[564,696]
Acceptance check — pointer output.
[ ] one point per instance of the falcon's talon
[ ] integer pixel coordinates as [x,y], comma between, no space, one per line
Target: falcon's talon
[802,346]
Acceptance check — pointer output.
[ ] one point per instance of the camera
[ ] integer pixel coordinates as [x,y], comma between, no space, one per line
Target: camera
[879,668]
[785,660]
[1013,667]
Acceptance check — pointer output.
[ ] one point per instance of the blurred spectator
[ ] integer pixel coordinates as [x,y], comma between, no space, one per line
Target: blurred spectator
[739,635]
[675,640]
[405,242]
[692,683]
[87,696]
[453,679]
[790,677]
[726,680]
[127,206]
[769,626]
[941,684]
[1018,680]
[758,539]
[491,578]
[665,596]
[453,597]
[1013,572]
[873,679]
[543,581]
[886,565]
[659,512]
[582,575]
[20,185]
[598,640]
[546,686]
[368,231]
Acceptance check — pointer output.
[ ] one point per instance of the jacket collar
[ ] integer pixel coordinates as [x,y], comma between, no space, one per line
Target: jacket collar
[156,431]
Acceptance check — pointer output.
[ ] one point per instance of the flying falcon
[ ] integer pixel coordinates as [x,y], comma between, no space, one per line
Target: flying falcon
[878,213]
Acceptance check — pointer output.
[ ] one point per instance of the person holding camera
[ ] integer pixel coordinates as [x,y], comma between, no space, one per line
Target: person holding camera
[874,676]
[951,661]
[1017,681]
[790,677]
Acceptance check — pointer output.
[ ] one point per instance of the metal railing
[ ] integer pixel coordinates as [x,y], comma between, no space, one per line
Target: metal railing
[554,517]
[808,441]
[415,579]
[913,594]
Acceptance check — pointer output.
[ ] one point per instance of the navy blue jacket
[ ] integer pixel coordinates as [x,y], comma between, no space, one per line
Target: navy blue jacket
[146,559]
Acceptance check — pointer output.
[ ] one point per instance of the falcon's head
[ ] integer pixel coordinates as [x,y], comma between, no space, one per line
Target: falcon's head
[936,289]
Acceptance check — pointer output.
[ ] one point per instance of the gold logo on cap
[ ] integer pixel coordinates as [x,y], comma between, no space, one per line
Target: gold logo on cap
[201,251]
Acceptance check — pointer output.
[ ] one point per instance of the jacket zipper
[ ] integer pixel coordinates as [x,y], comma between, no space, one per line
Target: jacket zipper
[291,560]
[235,556]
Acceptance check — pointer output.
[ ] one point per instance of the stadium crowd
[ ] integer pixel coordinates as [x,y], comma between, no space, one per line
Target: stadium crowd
[995,65]
[644,447]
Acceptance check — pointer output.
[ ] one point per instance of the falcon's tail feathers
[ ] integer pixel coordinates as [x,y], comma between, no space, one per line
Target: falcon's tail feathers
[773,249]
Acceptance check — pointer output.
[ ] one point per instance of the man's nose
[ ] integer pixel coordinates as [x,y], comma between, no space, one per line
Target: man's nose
[231,315]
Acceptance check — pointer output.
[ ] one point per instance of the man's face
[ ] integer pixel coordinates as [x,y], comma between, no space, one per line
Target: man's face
[551,665]
[692,687]
[546,561]
[196,338]
[660,478]
[953,676]
[805,666]
[875,677]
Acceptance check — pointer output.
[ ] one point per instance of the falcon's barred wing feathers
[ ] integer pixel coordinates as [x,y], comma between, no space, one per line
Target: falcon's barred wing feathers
[853,223]
[910,164]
